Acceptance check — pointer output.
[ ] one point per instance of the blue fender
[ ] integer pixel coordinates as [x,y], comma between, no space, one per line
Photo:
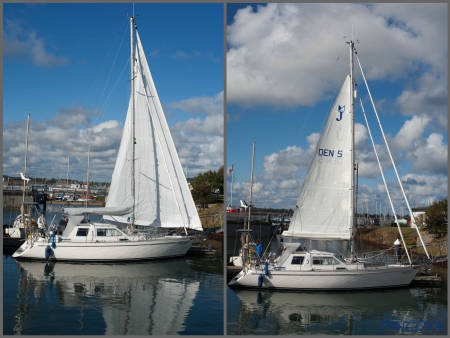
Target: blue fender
[260,280]
[53,240]
[48,252]
[266,268]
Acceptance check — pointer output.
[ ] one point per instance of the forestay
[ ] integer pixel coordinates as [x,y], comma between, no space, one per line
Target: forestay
[324,207]
[162,195]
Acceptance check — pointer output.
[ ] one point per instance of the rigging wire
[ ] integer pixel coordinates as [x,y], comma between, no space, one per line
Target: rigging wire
[392,161]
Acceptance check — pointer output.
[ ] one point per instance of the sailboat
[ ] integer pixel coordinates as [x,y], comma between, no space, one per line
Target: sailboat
[14,236]
[248,245]
[325,211]
[148,191]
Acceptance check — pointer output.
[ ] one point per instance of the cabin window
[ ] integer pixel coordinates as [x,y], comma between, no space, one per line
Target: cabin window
[82,232]
[108,232]
[297,260]
[325,261]
[340,259]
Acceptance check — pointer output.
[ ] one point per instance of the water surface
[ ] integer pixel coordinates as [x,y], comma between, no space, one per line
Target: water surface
[413,310]
[164,297]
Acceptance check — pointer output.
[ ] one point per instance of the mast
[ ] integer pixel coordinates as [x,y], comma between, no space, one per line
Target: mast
[132,61]
[232,176]
[352,129]
[22,209]
[251,186]
[26,157]
[87,183]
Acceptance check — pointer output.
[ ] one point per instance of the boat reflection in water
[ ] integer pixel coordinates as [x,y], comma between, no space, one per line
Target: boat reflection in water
[275,312]
[129,298]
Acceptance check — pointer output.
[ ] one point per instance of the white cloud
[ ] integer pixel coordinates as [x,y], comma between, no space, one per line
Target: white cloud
[420,187]
[199,142]
[209,125]
[411,131]
[278,55]
[106,125]
[199,139]
[431,156]
[287,163]
[284,56]
[200,106]
[185,55]
[361,134]
[429,100]
[19,42]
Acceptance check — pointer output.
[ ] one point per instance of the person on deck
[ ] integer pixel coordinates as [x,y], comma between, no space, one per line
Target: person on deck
[41,224]
[61,225]
[259,248]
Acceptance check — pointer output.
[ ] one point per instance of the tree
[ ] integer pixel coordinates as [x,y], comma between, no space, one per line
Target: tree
[213,178]
[436,219]
[201,194]
[205,185]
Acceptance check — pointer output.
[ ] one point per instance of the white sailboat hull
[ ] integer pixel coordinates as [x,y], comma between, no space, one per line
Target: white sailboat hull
[365,278]
[159,196]
[165,247]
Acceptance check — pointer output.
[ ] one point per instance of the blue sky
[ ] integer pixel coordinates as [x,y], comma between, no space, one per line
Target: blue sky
[285,62]
[71,72]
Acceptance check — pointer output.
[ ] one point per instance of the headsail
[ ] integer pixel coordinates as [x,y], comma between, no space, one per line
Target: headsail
[323,209]
[162,195]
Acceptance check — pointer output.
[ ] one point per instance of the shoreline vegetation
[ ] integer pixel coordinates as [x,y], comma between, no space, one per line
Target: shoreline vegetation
[384,237]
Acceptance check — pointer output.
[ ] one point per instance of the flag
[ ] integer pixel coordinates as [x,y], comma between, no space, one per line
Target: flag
[50,170]
[230,170]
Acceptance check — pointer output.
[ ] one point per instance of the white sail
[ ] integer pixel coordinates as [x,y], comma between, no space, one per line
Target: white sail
[323,209]
[162,195]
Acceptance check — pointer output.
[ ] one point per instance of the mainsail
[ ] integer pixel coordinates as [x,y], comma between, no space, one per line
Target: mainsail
[162,196]
[324,207]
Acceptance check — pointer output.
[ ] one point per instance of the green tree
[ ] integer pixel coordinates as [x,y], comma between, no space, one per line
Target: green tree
[436,219]
[201,194]
[205,187]
[213,178]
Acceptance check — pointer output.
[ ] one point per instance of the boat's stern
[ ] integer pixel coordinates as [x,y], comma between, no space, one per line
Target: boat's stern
[21,250]
[235,282]
[34,250]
